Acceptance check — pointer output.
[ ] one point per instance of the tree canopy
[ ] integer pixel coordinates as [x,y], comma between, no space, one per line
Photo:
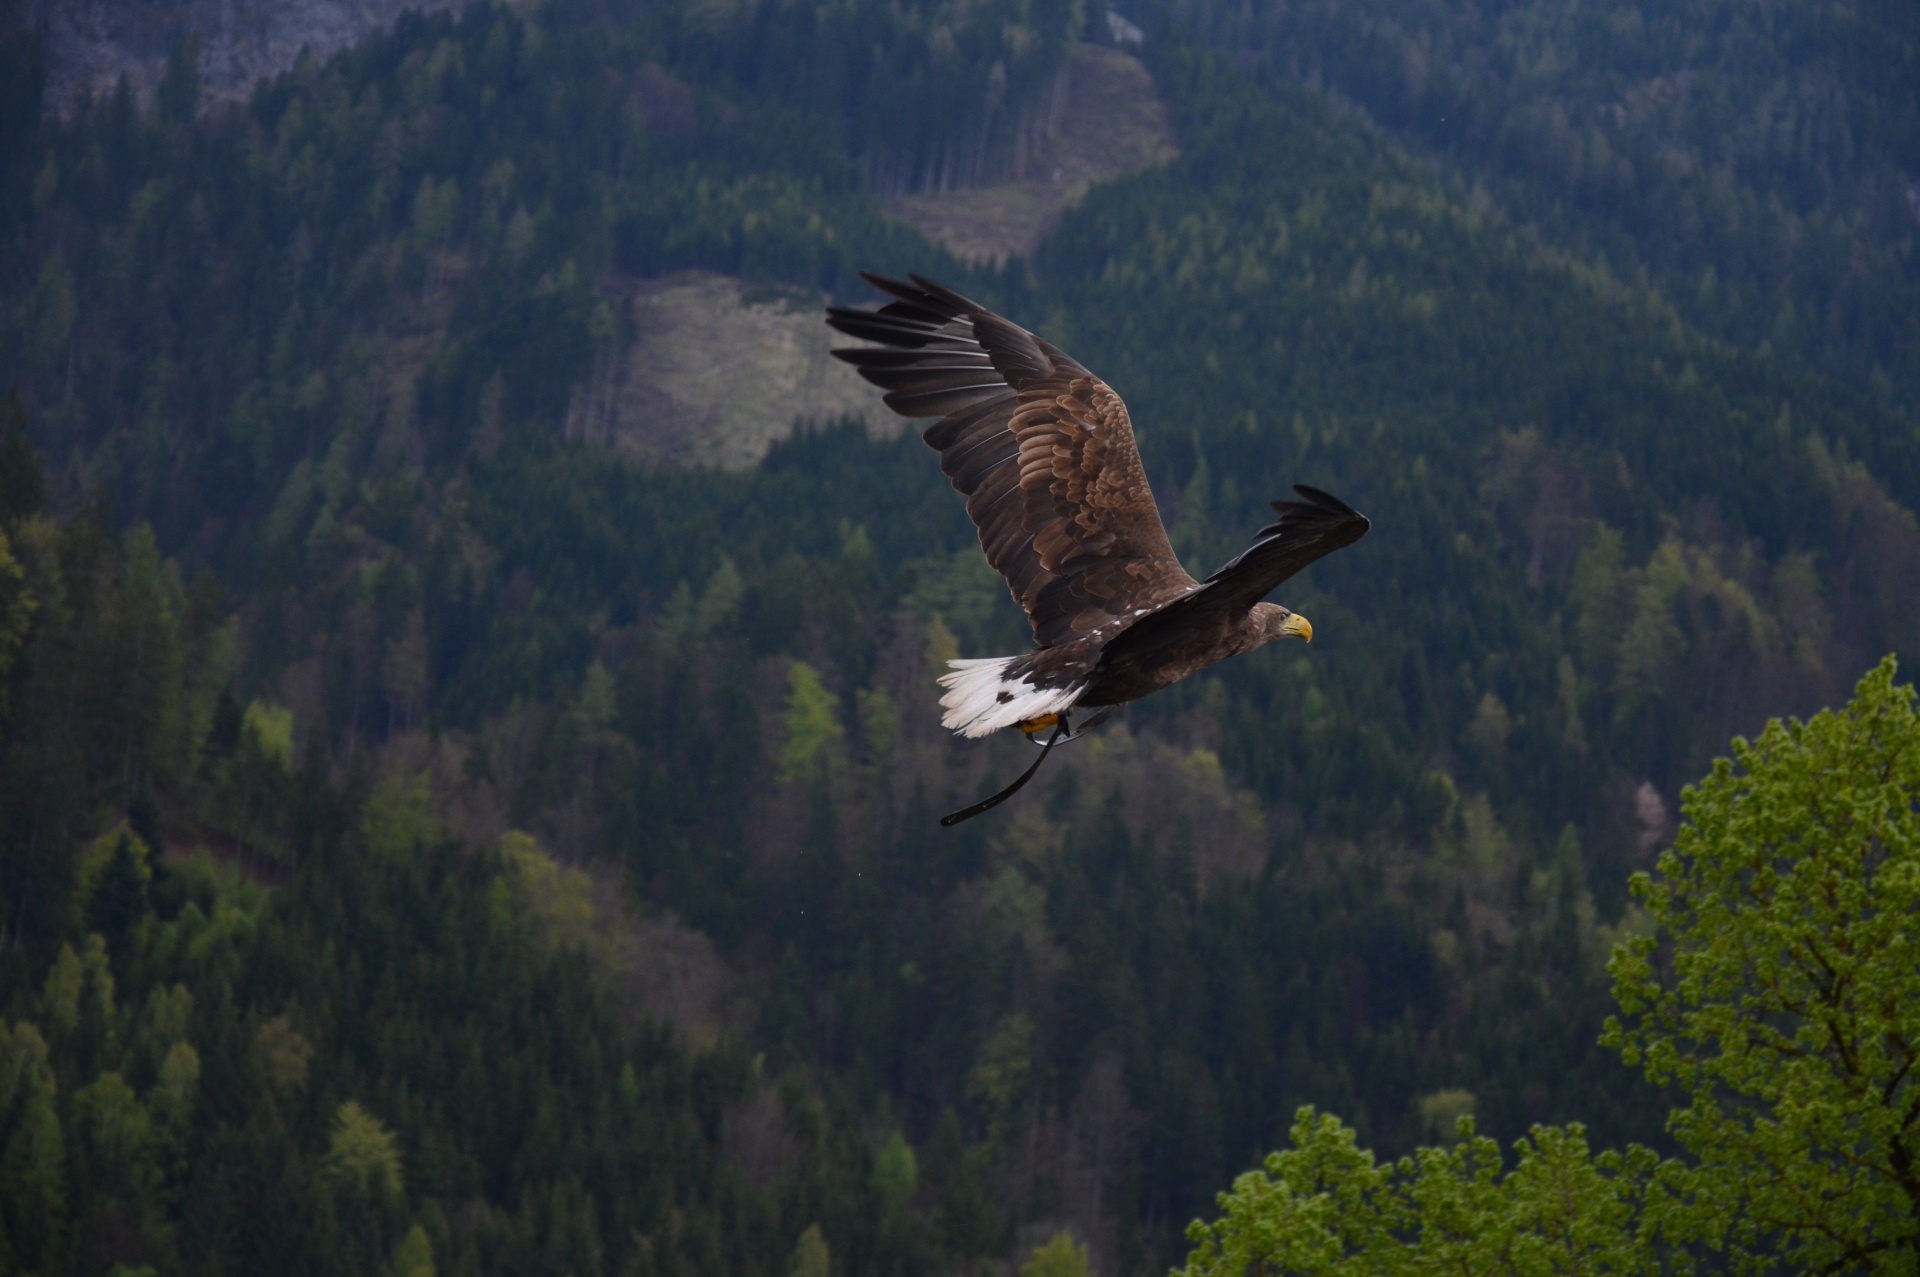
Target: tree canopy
[1781,993]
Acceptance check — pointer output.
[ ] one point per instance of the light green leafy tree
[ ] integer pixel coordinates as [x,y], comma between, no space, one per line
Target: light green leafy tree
[1059,1256]
[812,724]
[399,814]
[414,1256]
[362,1156]
[1324,1206]
[267,729]
[811,1256]
[1783,993]
[116,1137]
[895,1172]
[555,901]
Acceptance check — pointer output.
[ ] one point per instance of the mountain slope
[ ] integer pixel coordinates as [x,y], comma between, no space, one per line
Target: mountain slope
[1755,161]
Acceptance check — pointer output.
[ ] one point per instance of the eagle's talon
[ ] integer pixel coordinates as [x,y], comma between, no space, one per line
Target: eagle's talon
[1034,725]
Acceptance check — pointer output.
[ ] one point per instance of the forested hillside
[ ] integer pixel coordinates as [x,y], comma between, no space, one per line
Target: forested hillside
[1756,161]
[426,837]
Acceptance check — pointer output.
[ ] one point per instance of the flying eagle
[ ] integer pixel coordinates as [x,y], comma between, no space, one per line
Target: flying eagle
[1043,451]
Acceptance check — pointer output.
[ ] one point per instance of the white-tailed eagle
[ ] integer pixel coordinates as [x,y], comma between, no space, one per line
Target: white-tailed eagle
[1044,453]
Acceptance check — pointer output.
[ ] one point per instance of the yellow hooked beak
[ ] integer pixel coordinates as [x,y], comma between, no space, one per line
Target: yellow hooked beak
[1298,626]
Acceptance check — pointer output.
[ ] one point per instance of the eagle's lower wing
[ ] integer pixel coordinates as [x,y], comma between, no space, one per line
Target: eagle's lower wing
[1042,449]
[1308,529]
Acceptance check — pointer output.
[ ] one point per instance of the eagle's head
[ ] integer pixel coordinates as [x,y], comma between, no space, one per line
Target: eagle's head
[1272,621]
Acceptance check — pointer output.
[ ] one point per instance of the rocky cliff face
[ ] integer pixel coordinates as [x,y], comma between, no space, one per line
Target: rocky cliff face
[92,43]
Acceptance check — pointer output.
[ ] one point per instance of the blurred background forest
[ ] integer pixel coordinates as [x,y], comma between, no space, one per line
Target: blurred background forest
[456,816]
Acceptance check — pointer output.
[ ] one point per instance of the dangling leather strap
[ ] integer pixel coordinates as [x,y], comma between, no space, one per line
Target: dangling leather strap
[988,804]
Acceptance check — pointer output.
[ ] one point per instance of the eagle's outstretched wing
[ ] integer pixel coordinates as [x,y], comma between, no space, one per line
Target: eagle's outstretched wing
[1308,529]
[1042,449]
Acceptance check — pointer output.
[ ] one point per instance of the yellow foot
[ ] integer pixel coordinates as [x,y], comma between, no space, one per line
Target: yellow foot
[1040,724]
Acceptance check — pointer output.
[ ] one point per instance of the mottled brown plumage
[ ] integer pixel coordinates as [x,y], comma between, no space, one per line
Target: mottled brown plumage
[1044,453]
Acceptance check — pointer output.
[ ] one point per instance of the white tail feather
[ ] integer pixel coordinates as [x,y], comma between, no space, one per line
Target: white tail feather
[974,705]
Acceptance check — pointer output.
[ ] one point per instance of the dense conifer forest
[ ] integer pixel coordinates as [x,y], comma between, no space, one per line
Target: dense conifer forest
[1756,161]
[431,842]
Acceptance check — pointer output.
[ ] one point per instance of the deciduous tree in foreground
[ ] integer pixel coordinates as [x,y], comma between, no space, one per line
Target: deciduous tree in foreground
[1783,993]
[1780,994]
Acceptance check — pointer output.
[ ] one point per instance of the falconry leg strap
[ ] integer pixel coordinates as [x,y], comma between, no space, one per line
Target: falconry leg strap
[988,804]
[1062,733]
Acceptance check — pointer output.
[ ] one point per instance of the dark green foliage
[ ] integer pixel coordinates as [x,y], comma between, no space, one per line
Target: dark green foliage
[119,898]
[534,1130]
[1754,161]
[23,488]
[143,820]
[176,99]
[22,80]
[925,95]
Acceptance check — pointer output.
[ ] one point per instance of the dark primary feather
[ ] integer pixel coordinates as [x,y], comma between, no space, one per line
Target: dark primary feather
[1308,529]
[1041,448]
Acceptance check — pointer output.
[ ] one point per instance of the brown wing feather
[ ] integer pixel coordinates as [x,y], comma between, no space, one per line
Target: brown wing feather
[1042,449]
